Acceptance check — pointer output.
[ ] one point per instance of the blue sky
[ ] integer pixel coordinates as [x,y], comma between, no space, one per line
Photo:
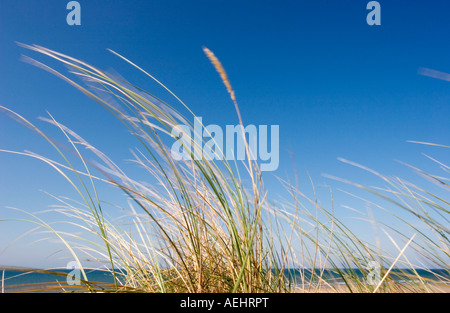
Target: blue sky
[336,86]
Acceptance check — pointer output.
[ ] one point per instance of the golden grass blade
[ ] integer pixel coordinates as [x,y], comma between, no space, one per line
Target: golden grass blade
[393,264]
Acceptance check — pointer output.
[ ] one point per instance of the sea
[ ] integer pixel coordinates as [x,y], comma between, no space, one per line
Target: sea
[52,280]
[58,280]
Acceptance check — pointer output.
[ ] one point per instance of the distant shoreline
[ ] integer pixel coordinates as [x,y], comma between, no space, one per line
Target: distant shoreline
[15,279]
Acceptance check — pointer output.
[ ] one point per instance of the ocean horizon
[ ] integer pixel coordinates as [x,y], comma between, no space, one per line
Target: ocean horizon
[33,280]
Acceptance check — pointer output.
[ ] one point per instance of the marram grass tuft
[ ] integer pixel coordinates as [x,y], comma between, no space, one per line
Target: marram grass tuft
[198,228]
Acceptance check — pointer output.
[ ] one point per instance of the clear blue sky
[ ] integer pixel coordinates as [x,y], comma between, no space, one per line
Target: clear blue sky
[336,86]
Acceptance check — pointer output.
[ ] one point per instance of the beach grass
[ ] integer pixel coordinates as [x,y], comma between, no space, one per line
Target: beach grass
[209,226]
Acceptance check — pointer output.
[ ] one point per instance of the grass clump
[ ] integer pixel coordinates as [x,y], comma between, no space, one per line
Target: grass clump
[196,227]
